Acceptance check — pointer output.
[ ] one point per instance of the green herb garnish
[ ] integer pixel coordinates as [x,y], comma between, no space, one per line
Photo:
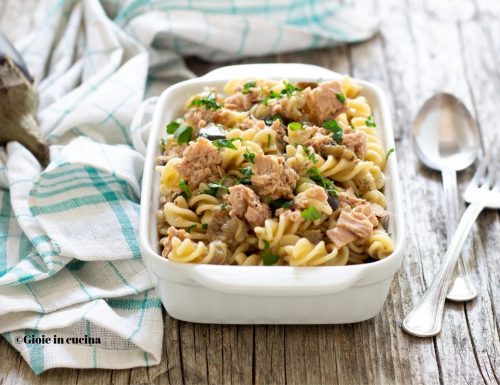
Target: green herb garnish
[272,95]
[271,120]
[249,156]
[289,89]
[310,155]
[389,153]
[310,214]
[247,174]
[332,126]
[214,187]
[340,97]
[369,122]
[270,259]
[222,206]
[266,244]
[186,192]
[181,132]
[190,228]
[269,138]
[281,203]
[320,180]
[204,226]
[225,143]
[208,102]
[295,126]
[247,86]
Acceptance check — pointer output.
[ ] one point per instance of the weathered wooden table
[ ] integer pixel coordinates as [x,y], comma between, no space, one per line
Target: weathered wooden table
[417,53]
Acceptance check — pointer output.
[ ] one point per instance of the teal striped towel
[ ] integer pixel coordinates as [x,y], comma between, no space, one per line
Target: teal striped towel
[70,264]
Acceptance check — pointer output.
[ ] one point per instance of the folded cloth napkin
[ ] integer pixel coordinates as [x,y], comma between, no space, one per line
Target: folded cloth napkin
[70,263]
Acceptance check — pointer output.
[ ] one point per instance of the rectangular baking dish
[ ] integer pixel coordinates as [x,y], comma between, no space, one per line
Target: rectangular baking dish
[267,294]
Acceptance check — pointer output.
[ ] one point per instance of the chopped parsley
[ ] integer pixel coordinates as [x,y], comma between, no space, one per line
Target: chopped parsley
[369,122]
[247,86]
[310,214]
[222,206]
[320,180]
[269,138]
[190,228]
[214,187]
[332,126]
[247,174]
[208,102]
[249,157]
[181,132]
[288,89]
[186,192]
[281,203]
[295,126]
[204,226]
[271,120]
[272,95]
[270,259]
[310,155]
[163,142]
[225,143]
[389,153]
[340,97]
[266,244]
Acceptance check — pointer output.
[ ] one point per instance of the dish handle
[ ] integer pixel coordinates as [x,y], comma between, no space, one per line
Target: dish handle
[273,70]
[277,281]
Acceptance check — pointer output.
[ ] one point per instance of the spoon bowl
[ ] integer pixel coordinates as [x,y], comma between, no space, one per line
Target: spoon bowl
[445,136]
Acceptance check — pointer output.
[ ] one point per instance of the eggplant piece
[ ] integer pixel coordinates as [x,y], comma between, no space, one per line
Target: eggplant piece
[18,106]
[333,201]
[304,85]
[212,132]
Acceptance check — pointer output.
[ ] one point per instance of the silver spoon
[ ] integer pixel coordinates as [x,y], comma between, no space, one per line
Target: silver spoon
[446,138]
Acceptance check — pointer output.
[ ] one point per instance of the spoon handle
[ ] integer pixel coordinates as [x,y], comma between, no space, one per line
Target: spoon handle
[426,318]
[461,287]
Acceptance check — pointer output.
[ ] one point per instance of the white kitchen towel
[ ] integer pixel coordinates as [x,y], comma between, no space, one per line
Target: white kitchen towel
[73,289]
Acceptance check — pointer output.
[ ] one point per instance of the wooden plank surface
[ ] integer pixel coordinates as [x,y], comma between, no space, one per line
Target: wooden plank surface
[417,52]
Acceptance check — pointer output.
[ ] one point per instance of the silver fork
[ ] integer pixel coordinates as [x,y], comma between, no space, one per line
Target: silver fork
[426,318]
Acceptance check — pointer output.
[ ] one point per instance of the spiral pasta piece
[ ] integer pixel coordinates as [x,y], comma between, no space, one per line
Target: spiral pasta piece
[304,253]
[265,138]
[170,177]
[187,251]
[178,214]
[379,245]
[204,206]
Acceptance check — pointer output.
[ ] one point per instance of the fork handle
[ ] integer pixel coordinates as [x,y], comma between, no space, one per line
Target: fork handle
[461,287]
[426,318]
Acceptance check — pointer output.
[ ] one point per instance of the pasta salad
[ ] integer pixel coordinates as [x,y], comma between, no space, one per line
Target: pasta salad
[269,172]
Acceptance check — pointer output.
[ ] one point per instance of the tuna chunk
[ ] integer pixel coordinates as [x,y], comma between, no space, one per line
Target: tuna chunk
[322,102]
[280,134]
[240,101]
[200,162]
[273,178]
[245,204]
[318,141]
[350,226]
[171,233]
[348,200]
[230,230]
[357,141]
[340,236]
[316,192]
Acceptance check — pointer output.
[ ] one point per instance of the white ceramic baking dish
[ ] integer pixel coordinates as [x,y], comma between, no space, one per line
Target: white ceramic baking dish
[267,294]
